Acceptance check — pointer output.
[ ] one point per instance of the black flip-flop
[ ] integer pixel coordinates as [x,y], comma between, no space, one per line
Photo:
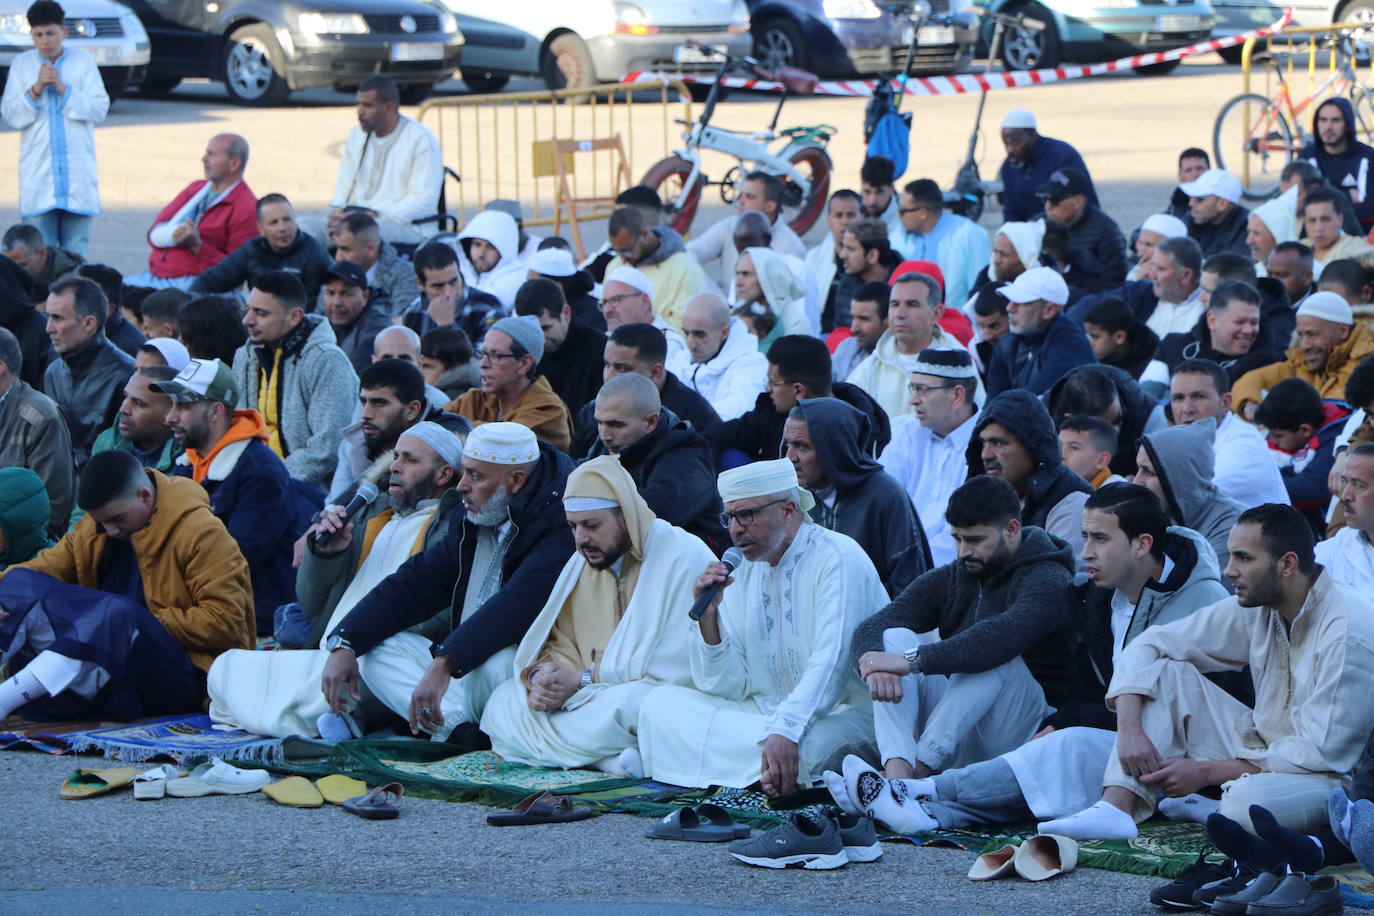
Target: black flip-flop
[540,808]
[692,826]
[381,804]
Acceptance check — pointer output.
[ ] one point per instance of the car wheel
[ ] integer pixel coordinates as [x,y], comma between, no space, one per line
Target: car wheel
[1231,55]
[567,64]
[1360,12]
[253,70]
[1028,49]
[1159,69]
[778,43]
[158,85]
[415,93]
[482,83]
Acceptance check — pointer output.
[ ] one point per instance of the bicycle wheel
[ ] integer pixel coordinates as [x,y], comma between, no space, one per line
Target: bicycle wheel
[801,211]
[1363,103]
[1253,141]
[669,178]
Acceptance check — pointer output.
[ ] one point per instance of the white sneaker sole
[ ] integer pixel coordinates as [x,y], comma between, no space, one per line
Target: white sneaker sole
[201,790]
[810,860]
[864,853]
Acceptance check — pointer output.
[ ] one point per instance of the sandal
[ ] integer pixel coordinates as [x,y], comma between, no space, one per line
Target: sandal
[88,783]
[540,808]
[689,825]
[381,804]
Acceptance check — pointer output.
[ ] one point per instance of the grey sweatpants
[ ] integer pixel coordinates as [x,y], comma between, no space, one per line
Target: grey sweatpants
[981,793]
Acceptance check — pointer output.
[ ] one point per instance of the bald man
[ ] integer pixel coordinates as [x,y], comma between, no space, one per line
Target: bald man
[400,342]
[208,219]
[722,363]
[671,464]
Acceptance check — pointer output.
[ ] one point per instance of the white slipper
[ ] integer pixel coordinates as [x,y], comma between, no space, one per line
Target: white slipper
[218,778]
[152,784]
[997,864]
[1045,855]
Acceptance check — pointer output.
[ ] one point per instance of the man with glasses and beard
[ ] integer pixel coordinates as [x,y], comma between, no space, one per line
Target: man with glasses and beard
[1004,655]
[774,701]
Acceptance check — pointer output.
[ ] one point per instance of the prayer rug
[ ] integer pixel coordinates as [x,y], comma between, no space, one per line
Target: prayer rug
[182,738]
[49,737]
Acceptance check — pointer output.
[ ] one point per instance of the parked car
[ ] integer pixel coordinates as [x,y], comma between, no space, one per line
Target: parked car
[1236,16]
[848,37]
[579,43]
[263,51]
[109,32]
[1087,31]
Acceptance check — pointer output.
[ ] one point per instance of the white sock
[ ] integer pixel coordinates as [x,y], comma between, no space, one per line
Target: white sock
[919,789]
[631,763]
[835,783]
[1193,808]
[892,803]
[19,690]
[1103,821]
[332,727]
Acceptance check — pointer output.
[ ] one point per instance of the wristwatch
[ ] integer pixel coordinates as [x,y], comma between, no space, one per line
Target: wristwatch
[913,659]
[586,679]
[339,642]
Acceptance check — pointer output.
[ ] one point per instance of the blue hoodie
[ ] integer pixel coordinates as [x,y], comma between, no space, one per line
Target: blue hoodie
[1348,172]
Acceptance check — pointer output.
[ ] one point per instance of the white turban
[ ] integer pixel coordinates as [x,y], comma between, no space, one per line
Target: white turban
[502,443]
[1026,238]
[1280,216]
[762,478]
[446,445]
[633,278]
[1171,227]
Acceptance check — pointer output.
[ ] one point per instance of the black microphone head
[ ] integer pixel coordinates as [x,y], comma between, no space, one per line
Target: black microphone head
[733,558]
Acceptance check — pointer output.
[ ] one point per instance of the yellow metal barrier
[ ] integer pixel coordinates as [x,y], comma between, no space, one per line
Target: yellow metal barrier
[1296,43]
[502,145]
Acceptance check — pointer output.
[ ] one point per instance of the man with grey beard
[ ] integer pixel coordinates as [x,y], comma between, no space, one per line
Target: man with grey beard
[413,512]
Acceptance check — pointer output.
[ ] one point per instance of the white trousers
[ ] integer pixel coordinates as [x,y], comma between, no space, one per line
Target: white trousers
[602,725]
[947,721]
[279,693]
[1195,719]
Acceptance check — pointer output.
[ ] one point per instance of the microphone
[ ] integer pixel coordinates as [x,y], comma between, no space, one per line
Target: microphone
[367,491]
[732,559]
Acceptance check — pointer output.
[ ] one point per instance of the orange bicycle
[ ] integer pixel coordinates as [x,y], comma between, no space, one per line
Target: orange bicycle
[1256,136]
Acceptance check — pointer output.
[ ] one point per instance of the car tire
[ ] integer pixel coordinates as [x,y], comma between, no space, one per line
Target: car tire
[252,67]
[1159,69]
[778,43]
[158,85]
[567,64]
[1231,55]
[482,83]
[1027,49]
[415,93]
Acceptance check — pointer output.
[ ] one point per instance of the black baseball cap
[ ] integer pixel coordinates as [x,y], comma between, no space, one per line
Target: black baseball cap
[348,272]
[1065,182]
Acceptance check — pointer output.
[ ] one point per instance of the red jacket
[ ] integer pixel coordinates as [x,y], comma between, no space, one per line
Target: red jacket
[223,228]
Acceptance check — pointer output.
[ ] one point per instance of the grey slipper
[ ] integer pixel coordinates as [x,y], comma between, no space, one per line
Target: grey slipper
[718,816]
[685,824]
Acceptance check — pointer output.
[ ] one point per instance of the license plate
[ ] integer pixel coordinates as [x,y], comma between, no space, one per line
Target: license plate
[938,36]
[686,54]
[1178,23]
[108,55]
[422,50]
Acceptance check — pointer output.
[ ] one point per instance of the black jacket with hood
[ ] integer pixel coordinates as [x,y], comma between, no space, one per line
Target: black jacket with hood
[1185,462]
[1022,610]
[1139,412]
[675,472]
[437,577]
[685,402]
[1025,417]
[869,504]
[26,323]
[1227,235]
[758,433]
[1197,344]
[1349,171]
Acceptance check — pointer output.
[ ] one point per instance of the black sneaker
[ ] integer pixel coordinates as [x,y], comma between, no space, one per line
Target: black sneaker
[1178,894]
[1237,881]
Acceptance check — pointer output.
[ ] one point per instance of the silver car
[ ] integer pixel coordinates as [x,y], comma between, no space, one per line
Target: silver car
[108,31]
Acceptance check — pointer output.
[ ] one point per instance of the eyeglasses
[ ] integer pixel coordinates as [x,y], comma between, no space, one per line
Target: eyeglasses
[906,210]
[607,303]
[745,517]
[922,390]
[483,353]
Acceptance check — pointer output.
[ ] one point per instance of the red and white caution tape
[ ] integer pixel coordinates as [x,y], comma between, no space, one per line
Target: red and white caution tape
[963,83]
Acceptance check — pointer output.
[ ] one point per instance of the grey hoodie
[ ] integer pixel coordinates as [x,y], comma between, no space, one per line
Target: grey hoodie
[669,244]
[1184,459]
[869,505]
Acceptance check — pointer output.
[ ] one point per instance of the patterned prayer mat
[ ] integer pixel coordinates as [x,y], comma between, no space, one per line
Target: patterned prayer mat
[182,738]
[49,737]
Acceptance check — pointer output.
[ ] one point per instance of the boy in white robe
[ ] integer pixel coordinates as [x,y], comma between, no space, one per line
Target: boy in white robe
[775,700]
[609,633]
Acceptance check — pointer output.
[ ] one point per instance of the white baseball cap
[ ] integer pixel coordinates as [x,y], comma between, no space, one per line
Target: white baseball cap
[1214,183]
[1037,283]
[553,262]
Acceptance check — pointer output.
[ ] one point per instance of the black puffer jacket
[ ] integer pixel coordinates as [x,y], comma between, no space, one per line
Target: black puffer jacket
[674,471]
[1227,235]
[1097,252]
[88,384]
[438,577]
[26,323]
[305,257]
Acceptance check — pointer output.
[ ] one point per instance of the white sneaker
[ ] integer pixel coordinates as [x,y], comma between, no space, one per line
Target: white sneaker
[218,778]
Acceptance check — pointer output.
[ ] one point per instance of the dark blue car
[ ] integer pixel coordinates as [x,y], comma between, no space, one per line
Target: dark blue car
[838,38]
